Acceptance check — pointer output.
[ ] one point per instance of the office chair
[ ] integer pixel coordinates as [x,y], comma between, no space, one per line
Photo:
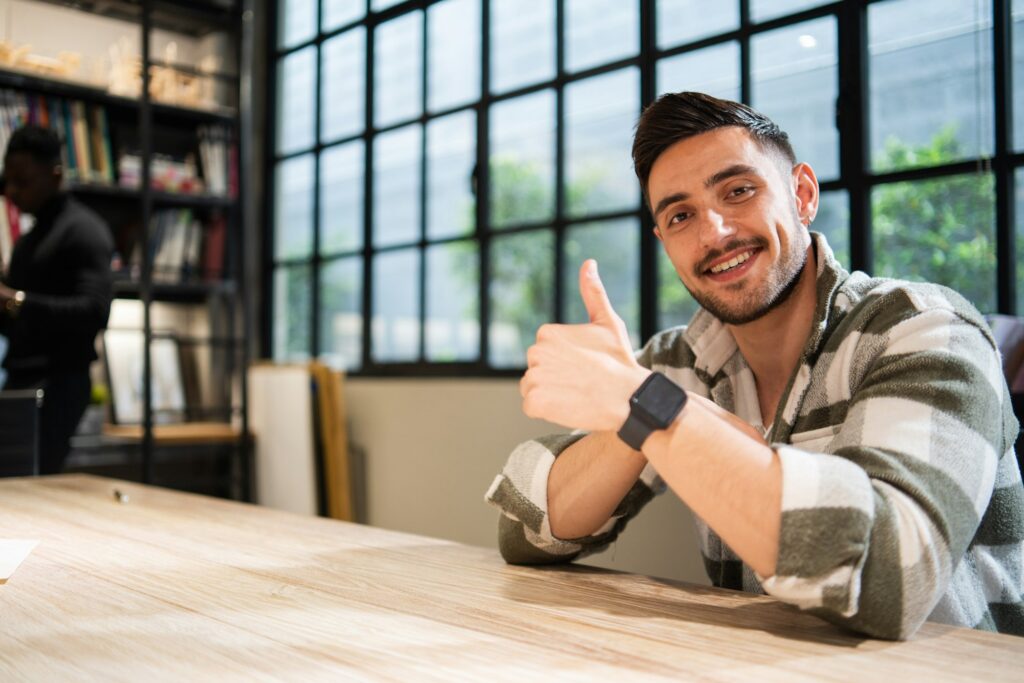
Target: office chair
[19,432]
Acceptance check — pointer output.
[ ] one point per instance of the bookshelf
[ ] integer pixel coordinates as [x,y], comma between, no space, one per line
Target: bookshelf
[163,165]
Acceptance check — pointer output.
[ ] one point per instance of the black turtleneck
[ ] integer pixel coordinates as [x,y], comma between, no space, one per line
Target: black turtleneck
[63,266]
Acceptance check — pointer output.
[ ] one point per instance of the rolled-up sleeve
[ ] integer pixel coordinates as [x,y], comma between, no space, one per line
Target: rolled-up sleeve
[520,493]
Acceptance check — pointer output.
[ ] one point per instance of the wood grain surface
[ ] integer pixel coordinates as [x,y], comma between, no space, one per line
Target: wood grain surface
[173,586]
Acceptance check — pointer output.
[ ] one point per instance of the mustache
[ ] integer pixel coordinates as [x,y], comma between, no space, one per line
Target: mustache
[714,254]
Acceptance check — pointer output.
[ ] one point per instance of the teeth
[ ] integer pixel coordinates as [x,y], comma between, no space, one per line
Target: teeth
[731,263]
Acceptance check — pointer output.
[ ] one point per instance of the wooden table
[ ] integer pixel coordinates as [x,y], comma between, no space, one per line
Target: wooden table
[171,586]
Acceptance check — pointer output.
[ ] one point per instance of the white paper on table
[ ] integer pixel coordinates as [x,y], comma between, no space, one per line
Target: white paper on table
[13,552]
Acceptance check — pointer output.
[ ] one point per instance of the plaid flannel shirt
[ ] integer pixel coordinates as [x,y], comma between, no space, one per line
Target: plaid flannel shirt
[901,494]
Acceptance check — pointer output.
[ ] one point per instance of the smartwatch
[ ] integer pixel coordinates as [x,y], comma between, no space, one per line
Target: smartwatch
[653,406]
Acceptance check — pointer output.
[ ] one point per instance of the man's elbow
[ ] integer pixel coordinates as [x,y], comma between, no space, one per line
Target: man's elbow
[515,548]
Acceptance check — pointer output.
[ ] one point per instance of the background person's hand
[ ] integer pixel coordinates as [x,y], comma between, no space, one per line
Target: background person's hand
[5,293]
[581,376]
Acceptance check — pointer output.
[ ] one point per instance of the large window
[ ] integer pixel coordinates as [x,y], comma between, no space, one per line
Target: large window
[442,167]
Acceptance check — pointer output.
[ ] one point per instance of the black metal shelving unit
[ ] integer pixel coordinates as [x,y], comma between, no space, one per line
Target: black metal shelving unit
[155,453]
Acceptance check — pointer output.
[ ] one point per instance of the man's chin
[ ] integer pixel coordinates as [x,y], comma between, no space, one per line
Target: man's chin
[735,315]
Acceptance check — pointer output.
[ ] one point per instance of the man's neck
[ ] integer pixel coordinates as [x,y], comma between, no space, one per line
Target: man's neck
[772,344]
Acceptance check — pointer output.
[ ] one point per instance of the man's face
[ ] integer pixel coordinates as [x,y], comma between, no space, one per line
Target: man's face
[732,218]
[30,184]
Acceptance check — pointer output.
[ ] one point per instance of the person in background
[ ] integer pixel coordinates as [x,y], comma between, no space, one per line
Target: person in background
[55,296]
[846,443]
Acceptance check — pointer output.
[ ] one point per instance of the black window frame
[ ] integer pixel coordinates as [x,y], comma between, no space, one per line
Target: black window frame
[855,175]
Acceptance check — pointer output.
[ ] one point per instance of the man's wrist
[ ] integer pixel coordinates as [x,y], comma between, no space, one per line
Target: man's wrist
[654,406]
[622,408]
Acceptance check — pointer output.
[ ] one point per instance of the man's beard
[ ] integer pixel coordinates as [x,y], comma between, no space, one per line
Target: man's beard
[755,304]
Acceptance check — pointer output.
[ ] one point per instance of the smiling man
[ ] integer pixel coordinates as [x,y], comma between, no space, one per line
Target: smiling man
[845,442]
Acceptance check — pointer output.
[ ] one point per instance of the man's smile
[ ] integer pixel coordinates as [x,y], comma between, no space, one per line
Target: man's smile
[732,266]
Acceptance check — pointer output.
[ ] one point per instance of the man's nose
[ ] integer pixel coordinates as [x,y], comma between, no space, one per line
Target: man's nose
[714,227]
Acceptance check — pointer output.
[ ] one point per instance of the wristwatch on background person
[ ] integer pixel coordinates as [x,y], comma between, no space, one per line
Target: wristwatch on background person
[653,406]
[13,305]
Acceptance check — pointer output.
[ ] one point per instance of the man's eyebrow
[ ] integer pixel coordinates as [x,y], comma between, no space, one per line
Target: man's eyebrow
[734,170]
[666,201]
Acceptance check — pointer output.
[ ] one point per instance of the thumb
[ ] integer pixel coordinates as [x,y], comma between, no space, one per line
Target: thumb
[599,308]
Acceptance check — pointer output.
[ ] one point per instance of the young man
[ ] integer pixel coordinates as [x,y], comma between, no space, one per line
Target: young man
[845,442]
[56,293]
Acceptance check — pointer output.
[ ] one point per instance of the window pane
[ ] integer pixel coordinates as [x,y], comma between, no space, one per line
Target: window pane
[378,5]
[396,186]
[453,302]
[763,10]
[616,246]
[522,294]
[522,161]
[451,156]
[396,306]
[522,43]
[341,198]
[941,231]
[343,82]
[340,12]
[833,221]
[683,21]
[600,31]
[1018,73]
[453,58]
[296,117]
[292,292]
[293,207]
[397,77]
[296,22]
[801,59]
[713,70]
[931,82]
[341,319]
[600,115]
[675,305]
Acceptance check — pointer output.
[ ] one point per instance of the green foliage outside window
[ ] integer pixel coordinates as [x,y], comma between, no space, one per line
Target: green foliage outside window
[937,230]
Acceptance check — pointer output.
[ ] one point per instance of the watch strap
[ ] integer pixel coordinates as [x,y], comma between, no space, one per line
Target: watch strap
[635,431]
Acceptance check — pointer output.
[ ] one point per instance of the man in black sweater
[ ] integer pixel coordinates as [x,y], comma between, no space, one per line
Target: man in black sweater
[55,295]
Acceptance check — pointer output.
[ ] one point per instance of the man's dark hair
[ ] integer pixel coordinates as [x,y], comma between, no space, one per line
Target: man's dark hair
[677,116]
[42,144]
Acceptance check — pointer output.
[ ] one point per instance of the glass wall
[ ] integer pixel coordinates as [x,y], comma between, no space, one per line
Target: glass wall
[442,167]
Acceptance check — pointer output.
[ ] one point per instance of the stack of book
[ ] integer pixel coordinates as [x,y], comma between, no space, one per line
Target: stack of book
[86,154]
[183,249]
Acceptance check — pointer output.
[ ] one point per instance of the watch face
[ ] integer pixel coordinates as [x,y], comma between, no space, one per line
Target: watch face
[661,399]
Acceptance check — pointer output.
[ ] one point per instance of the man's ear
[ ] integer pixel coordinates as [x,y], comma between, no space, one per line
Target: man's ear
[657,233]
[805,190]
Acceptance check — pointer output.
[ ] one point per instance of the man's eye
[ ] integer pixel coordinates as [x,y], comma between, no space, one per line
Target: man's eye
[677,218]
[740,191]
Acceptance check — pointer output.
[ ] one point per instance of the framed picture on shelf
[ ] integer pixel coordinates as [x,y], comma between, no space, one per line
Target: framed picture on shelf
[123,356]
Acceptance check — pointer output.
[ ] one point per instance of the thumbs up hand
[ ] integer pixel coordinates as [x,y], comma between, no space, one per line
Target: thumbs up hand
[581,376]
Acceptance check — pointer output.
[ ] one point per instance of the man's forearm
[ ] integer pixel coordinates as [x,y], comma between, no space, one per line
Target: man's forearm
[728,477]
[588,481]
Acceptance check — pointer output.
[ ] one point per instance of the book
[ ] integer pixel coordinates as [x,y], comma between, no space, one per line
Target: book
[80,133]
[213,248]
